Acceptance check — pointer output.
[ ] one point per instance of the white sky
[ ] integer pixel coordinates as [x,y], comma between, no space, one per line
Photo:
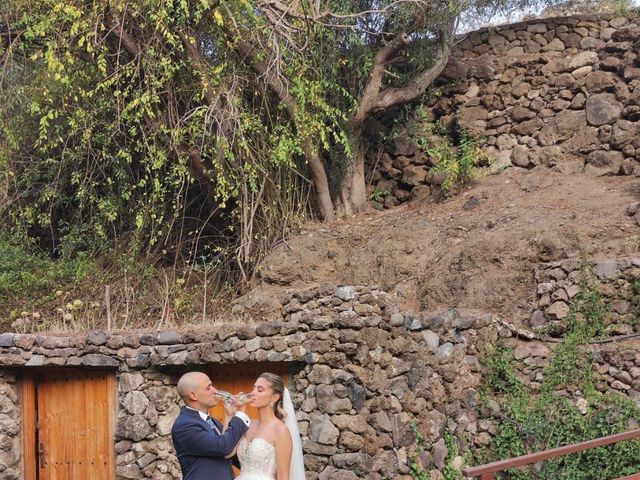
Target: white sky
[502,18]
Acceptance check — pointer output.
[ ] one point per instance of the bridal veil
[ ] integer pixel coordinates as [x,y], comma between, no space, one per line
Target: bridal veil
[296,471]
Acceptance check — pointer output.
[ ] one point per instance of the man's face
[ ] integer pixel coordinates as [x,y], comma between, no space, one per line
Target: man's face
[204,393]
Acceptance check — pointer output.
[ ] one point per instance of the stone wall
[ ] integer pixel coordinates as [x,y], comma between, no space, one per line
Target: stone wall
[616,365]
[615,281]
[10,434]
[366,372]
[563,93]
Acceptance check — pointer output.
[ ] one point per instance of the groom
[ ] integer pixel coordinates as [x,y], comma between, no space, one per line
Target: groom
[199,440]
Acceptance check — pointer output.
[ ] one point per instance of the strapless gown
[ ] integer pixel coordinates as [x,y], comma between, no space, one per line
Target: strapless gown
[257,460]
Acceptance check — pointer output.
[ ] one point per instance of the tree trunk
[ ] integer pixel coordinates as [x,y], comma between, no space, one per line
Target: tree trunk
[320,182]
[375,99]
[358,183]
[353,194]
[312,156]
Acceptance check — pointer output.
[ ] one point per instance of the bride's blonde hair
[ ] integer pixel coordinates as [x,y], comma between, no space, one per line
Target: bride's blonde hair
[277,385]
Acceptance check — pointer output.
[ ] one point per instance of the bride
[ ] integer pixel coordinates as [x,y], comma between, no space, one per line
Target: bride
[271,449]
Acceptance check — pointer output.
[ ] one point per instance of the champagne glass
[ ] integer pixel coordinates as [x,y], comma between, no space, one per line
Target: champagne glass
[223,395]
[226,397]
[244,398]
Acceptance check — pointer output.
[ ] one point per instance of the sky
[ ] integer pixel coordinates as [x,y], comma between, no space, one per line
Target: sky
[474,23]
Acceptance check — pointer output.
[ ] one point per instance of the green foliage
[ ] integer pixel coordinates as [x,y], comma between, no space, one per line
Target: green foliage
[501,374]
[460,166]
[457,155]
[423,130]
[379,195]
[22,271]
[589,308]
[531,420]
[39,294]
[586,321]
[622,7]
[417,470]
[449,472]
[137,140]
[635,300]
[555,421]
[149,121]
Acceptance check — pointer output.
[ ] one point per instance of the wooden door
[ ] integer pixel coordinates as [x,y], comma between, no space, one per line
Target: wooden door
[74,425]
[240,378]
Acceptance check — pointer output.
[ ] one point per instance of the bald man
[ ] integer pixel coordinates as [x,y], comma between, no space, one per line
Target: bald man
[200,442]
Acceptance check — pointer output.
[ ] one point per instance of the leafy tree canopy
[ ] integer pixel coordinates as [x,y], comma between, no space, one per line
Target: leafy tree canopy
[201,128]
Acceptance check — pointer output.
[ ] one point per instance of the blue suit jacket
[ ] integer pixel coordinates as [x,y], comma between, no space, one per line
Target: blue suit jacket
[201,450]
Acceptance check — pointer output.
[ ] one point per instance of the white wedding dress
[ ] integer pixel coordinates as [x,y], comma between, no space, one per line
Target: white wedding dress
[258,459]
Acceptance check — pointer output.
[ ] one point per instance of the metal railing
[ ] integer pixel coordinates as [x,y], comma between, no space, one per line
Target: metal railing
[488,471]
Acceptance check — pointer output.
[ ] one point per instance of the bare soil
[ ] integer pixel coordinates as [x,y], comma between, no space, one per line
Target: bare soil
[482,257]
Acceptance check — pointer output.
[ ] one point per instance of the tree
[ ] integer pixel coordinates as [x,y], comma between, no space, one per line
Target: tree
[418,23]
[387,54]
[139,120]
[180,123]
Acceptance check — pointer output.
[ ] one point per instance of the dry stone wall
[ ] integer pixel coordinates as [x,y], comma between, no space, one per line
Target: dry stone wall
[10,434]
[615,282]
[563,93]
[365,373]
[616,366]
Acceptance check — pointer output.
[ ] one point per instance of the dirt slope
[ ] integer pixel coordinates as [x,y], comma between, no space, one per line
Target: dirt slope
[476,250]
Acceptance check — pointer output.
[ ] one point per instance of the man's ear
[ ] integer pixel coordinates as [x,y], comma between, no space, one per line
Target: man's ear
[192,396]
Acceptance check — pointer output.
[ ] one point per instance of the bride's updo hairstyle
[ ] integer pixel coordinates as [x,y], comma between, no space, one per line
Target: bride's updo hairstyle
[277,385]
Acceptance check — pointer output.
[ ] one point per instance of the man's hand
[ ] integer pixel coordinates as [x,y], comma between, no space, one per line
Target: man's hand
[241,406]
[232,405]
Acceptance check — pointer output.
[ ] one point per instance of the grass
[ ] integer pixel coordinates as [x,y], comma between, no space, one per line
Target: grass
[38,293]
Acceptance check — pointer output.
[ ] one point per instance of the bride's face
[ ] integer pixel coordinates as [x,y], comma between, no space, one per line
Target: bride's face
[263,394]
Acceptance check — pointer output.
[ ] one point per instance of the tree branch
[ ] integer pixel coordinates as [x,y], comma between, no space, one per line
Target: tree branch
[372,88]
[195,55]
[124,38]
[275,82]
[8,36]
[416,86]
[278,85]
[374,100]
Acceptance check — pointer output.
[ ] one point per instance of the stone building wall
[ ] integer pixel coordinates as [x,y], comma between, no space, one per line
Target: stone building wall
[366,372]
[563,93]
[10,434]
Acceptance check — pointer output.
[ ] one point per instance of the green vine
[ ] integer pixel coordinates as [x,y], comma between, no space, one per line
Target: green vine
[457,155]
[418,471]
[532,420]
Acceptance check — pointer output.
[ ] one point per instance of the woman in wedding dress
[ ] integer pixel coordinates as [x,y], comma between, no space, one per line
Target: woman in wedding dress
[271,449]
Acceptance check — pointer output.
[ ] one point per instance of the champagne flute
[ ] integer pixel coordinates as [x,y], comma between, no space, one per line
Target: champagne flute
[227,397]
[243,398]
